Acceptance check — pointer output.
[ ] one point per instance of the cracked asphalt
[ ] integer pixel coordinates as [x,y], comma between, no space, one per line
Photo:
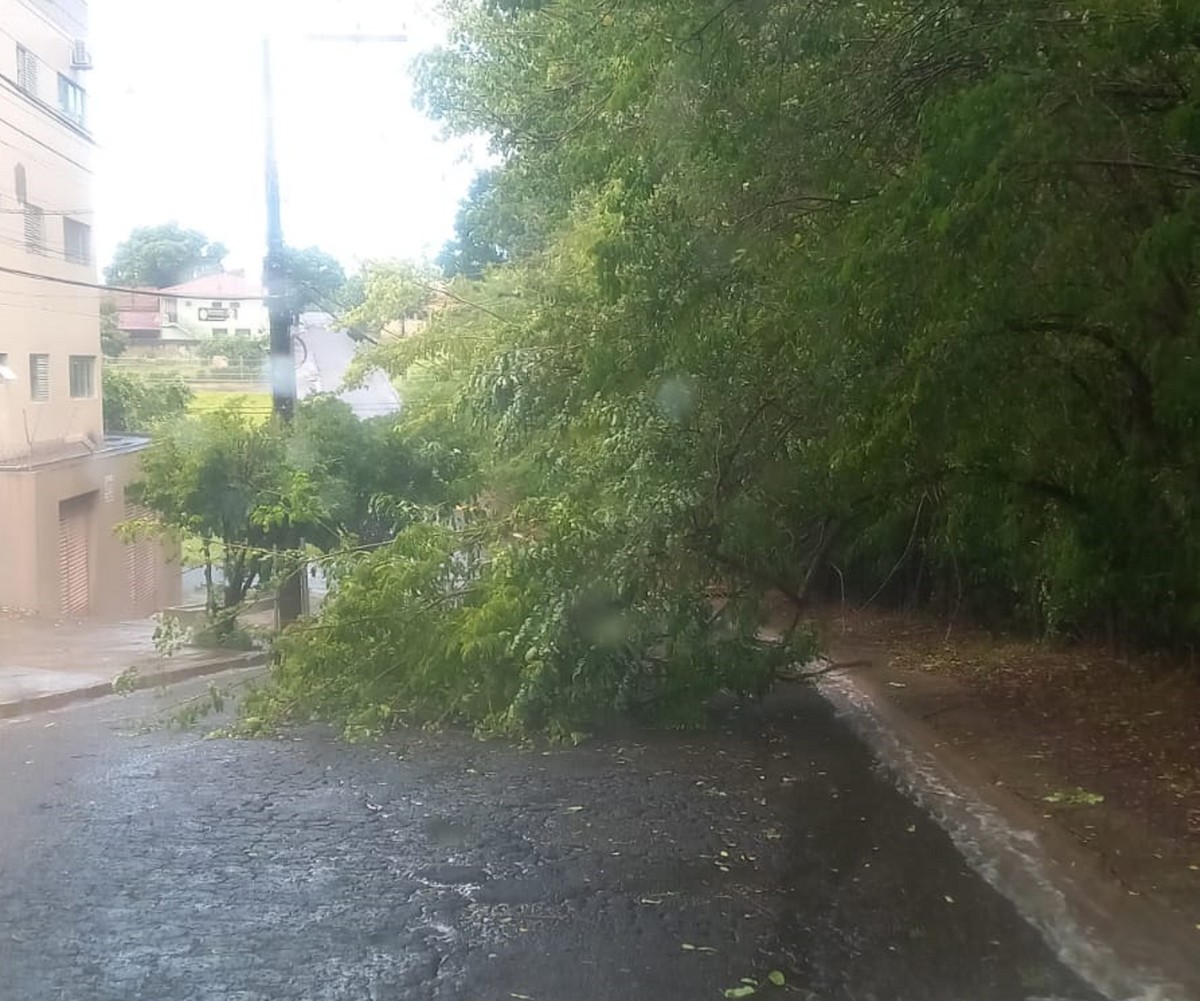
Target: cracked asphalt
[155,864]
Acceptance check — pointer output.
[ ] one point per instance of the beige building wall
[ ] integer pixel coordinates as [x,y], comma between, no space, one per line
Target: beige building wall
[45,229]
[62,483]
[123,578]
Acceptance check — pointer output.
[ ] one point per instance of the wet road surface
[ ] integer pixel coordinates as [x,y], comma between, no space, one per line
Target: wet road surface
[329,354]
[157,865]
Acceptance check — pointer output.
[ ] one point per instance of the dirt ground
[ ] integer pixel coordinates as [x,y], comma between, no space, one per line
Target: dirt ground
[1107,748]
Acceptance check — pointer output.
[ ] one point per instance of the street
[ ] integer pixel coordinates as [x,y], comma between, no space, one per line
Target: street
[141,862]
[329,353]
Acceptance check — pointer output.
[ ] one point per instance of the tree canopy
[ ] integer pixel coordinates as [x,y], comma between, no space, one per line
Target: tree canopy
[479,235]
[161,256]
[315,279]
[895,301]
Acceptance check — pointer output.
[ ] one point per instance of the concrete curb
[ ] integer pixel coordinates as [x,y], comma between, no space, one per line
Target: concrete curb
[149,679]
[1127,948]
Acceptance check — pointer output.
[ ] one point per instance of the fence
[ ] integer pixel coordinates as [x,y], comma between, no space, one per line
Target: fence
[198,374]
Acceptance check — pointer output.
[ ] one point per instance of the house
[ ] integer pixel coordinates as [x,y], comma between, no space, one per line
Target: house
[62,479]
[138,318]
[180,317]
[214,306]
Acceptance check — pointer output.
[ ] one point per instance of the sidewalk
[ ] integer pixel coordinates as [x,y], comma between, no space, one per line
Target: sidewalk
[46,664]
[1014,748]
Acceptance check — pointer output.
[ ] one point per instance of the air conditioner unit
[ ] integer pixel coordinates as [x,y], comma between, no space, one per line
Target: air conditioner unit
[81,59]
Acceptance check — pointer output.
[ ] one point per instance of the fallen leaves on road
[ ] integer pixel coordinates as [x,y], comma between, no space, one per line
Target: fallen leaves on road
[1074,797]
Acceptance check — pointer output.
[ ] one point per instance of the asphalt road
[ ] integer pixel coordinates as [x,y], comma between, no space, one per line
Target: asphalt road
[329,353]
[150,863]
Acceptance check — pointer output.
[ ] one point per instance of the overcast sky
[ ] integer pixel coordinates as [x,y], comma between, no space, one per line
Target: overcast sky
[176,104]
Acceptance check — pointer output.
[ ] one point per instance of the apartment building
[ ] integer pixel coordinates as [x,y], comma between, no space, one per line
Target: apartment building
[62,480]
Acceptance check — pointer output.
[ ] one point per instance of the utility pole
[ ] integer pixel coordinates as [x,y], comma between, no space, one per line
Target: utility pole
[289,599]
[289,602]
[283,370]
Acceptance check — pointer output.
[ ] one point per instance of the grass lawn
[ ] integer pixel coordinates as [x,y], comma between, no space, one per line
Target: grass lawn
[256,404]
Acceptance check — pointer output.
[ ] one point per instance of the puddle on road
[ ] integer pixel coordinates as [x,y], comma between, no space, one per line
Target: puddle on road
[445,832]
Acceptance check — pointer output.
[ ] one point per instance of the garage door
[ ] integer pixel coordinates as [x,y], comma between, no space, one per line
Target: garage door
[74,519]
[141,566]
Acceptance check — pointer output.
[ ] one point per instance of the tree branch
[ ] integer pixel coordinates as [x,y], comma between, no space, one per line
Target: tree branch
[1161,168]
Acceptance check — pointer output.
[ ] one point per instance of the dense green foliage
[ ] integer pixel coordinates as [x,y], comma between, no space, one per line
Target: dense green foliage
[390,294]
[258,494]
[138,404]
[237,349]
[113,341]
[161,256]
[896,300]
[478,229]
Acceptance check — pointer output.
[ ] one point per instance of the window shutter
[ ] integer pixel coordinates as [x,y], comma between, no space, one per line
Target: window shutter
[27,71]
[39,378]
[35,228]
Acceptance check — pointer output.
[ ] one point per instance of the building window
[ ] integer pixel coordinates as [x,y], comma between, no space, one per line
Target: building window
[220,331]
[218,305]
[77,241]
[83,376]
[27,70]
[19,182]
[71,99]
[35,229]
[39,378]
[6,373]
[242,331]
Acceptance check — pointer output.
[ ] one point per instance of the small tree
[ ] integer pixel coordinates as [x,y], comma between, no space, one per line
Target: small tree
[252,490]
[113,341]
[224,477]
[393,293]
[137,404]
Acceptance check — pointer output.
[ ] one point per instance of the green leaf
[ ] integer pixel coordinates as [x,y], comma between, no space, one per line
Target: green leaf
[1074,797]
[777,978]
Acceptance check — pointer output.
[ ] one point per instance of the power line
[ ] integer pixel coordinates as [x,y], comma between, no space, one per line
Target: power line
[45,251]
[32,138]
[46,211]
[53,310]
[34,276]
[51,296]
[27,155]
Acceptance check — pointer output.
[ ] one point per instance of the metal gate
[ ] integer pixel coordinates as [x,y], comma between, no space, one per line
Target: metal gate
[141,565]
[74,571]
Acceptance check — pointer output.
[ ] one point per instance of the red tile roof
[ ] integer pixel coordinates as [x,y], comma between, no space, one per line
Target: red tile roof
[142,300]
[138,320]
[222,286]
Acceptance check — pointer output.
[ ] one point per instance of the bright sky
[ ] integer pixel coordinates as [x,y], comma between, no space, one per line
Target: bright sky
[176,103]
